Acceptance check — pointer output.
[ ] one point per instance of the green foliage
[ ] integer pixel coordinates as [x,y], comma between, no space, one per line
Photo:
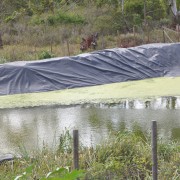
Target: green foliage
[178,4]
[64,174]
[12,17]
[123,155]
[57,174]
[62,18]
[137,20]
[135,7]
[58,18]
[25,174]
[156,8]
[52,22]
[109,17]
[65,142]
[104,24]
[101,3]
[127,158]
[165,22]
[2,60]
[37,20]
[129,155]
[45,55]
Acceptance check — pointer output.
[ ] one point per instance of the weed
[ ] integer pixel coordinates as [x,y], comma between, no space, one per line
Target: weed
[45,55]
[122,155]
[65,142]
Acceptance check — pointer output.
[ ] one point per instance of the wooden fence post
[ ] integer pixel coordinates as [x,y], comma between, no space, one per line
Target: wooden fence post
[51,46]
[178,29]
[154,151]
[164,38]
[75,149]
[1,42]
[68,48]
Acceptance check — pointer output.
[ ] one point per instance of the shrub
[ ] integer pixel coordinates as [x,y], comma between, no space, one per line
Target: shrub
[45,55]
[2,60]
[58,18]
[130,40]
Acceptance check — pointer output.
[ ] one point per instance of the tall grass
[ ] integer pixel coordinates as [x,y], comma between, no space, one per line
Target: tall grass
[24,53]
[123,155]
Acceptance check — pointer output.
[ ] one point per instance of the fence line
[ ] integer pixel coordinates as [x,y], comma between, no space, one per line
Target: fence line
[154,150]
[165,28]
[165,33]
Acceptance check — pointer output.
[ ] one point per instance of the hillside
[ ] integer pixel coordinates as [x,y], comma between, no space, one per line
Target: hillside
[53,28]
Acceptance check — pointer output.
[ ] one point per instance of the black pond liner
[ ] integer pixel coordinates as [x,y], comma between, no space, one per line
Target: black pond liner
[89,69]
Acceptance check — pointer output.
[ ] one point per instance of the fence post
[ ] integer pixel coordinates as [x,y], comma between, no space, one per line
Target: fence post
[178,29]
[1,42]
[134,34]
[154,150]
[102,43]
[68,49]
[75,149]
[51,46]
[164,39]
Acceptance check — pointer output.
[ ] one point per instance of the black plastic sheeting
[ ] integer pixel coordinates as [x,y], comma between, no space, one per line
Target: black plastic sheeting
[89,69]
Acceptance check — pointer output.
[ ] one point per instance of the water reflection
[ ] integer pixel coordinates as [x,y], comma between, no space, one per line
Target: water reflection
[176,133]
[34,126]
[158,103]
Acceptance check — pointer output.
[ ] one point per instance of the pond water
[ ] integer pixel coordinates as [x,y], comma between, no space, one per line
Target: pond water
[33,127]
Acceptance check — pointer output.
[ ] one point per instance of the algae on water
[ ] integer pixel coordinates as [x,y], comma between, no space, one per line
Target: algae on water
[108,93]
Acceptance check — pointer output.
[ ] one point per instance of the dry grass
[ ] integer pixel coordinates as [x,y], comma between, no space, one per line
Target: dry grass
[26,42]
[21,52]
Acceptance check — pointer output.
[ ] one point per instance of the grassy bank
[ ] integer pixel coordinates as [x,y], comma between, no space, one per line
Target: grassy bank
[109,93]
[123,155]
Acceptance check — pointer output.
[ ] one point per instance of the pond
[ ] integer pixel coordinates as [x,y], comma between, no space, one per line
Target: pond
[34,127]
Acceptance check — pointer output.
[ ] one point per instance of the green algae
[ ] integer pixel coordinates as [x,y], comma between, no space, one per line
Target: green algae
[109,93]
